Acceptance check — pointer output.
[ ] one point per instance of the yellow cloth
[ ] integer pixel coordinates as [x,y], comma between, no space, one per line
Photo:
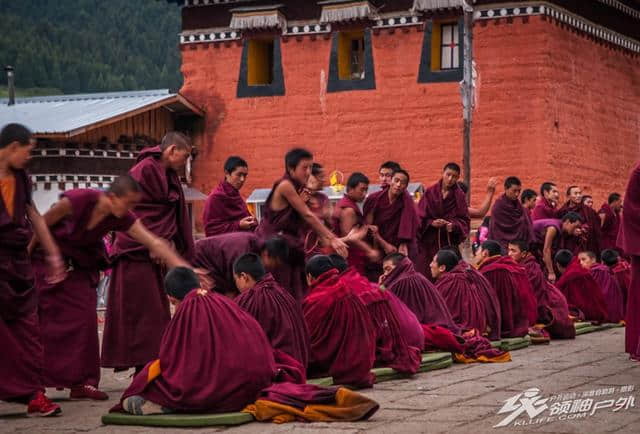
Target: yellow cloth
[8,192]
[349,406]
[505,357]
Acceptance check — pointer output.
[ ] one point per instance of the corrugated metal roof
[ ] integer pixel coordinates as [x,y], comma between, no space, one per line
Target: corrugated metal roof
[61,114]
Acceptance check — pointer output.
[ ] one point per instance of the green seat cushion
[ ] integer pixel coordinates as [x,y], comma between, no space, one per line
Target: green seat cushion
[178,420]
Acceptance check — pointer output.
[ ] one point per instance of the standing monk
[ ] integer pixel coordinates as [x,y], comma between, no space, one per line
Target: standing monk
[610,221]
[225,210]
[287,215]
[320,205]
[509,220]
[590,221]
[444,217]
[347,215]
[137,308]
[528,199]
[546,206]
[552,235]
[629,242]
[67,310]
[22,354]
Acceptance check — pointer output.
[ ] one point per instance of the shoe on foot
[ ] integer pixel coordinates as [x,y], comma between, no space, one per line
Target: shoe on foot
[40,405]
[87,392]
[139,406]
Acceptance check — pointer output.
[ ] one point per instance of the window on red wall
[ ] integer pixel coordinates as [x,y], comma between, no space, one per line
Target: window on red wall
[441,59]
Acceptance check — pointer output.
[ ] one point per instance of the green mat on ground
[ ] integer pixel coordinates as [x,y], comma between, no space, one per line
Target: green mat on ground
[430,362]
[322,381]
[587,327]
[585,330]
[512,344]
[178,420]
[580,325]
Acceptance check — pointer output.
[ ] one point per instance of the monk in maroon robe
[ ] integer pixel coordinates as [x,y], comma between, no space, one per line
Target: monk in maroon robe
[417,292]
[342,334]
[287,215]
[22,353]
[320,205]
[553,310]
[225,211]
[518,305]
[393,212]
[509,220]
[444,218]
[610,221]
[591,223]
[467,301]
[348,215]
[582,292]
[546,207]
[552,235]
[274,308]
[629,242]
[137,308]
[605,279]
[621,271]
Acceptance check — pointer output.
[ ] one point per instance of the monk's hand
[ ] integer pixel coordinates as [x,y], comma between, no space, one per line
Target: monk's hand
[340,247]
[373,229]
[449,227]
[57,272]
[552,277]
[389,249]
[305,195]
[438,223]
[356,233]
[492,184]
[403,249]
[206,282]
[248,223]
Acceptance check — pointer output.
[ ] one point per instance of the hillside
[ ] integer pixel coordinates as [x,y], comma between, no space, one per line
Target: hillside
[90,45]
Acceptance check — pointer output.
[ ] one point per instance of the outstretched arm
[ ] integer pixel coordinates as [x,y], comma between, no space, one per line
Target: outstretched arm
[482,211]
[548,261]
[57,212]
[54,259]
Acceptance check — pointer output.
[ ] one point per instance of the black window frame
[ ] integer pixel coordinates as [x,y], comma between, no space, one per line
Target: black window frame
[425,74]
[335,84]
[275,88]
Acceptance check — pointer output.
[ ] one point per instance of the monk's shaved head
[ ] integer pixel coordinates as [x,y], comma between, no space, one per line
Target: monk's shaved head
[492,247]
[295,156]
[613,197]
[233,163]
[572,217]
[180,281]
[339,262]
[563,258]
[276,248]
[394,258]
[124,185]
[250,264]
[447,258]
[610,257]
[176,138]
[452,166]
[318,265]
[15,133]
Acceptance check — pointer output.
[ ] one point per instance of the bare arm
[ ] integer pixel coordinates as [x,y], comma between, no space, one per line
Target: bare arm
[157,246]
[348,220]
[548,261]
[54,258]
[486,204]
[603,217]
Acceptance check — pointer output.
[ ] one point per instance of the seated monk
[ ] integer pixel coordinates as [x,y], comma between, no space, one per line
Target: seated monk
[582,292]
[467,302]
[621,271]
[553,310]
[416,291]
[392,348]
[342,335]
[274,308]
[225,211]
[204,332]
[518,305]
[611,291]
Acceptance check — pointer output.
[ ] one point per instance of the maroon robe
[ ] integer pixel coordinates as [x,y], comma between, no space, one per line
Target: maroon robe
[467,301]
[318,204]
[629,242]
[583,294]
[397,221]
[561,240]
[233,361]
[431,207]
[137,307]
[509,221]
[280,317]
[610,227]
[494,314]
[223,210]
[544,210]
[611,292]
[342,334]
[67,310]
[419,294]
[518,306]
[217,255]
[553,310]
[590,225]
[22,352]
[357,258]
[392,349]
[410,327]
[622,273]
[289,225]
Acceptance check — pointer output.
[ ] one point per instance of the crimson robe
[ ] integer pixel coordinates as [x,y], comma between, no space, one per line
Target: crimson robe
[289,225]
[217,255]
[231,363]
[611,292]
[629,242]
[553,310]
[67,310]
[582,292]
[137,306]
[419,294]
[392,348]
[622,273]
[610,227]
[22,352]
[590,225]
[342,334]
[518,305]
[223,210]
[544,209]
[318,204]
[433,206]
[279,315]
[509,221]
[357,258]
[410,327]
